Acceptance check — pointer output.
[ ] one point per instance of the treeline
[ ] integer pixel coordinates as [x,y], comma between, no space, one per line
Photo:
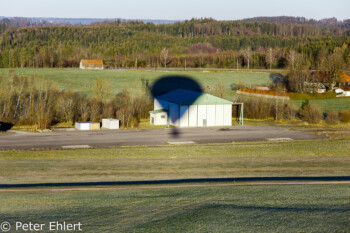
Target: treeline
[204,43]
[27,101]
[328,22]
[262,108]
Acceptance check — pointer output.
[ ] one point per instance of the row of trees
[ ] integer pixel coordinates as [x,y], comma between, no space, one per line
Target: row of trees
[261,108]
[28,101]
[329,69]
[209,26]
[195,43]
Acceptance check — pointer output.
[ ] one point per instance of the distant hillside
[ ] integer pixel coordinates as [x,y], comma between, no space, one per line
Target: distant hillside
[42,21]
[330,22]
[198,43]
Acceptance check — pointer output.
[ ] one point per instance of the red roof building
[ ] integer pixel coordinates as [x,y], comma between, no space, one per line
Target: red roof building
[91,64]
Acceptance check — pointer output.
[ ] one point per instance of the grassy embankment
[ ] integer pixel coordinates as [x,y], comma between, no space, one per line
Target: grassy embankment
[296,208]
[296,158]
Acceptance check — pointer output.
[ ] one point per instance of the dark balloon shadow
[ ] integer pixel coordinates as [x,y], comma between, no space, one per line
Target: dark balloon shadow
[5,126]
[167,84]
[188,91]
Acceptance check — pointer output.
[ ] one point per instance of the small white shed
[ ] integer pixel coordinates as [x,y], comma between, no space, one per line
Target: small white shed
[110,123]
[159,117]
[87,125]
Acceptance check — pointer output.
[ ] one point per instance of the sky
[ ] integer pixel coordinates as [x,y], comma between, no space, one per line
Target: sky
[175,9]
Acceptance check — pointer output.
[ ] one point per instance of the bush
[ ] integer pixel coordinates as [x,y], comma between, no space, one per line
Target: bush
[261,108]
[345,116]
[310,114]
[332,118]
[290,111]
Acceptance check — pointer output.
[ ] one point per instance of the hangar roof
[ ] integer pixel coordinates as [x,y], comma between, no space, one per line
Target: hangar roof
[158,111]
[187,97]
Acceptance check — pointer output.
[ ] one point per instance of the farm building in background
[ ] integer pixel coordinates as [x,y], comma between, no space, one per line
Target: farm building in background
[184,108]
[344,81]
[91,64]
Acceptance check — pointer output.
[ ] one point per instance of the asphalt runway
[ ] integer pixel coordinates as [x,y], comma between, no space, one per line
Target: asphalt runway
[115,138]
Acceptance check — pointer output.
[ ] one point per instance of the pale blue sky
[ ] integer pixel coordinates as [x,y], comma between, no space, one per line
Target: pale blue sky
[175,9]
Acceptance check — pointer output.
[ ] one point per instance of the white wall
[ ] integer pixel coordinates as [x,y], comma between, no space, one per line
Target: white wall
[184,114]
[202,114]
[227,115]
[193,116]
[219,115]
[82,126]
[158,120]
[346,93]
[210,115]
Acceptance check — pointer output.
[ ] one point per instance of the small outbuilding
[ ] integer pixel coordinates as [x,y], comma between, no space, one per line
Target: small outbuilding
[91,64]
[110,123]
[159,117]
[185,108]
[87,125]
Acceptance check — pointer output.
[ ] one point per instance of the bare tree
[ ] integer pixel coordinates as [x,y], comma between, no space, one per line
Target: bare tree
[164,54]
[83,108]
[331,66]
[247,53]
[270,57]
[220,89]
[67,104]
[102,89]
[292,59]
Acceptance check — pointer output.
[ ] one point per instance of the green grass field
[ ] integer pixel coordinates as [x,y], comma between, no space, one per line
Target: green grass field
[159,208]
[83,80]
[327,105]
[268,208]
[302,158]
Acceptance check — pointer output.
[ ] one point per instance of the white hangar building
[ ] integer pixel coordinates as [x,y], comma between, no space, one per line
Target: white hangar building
[185,108]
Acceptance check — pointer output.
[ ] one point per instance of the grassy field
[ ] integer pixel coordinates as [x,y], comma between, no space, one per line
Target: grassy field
[83,80]
[211,208]
[295,208]
[302,158]
[327,105]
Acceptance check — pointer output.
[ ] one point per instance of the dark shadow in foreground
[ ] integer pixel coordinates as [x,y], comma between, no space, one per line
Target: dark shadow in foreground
[182,181]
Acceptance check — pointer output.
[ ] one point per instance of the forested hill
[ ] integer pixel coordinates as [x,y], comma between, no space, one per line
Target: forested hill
[330,22]
[191,43]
